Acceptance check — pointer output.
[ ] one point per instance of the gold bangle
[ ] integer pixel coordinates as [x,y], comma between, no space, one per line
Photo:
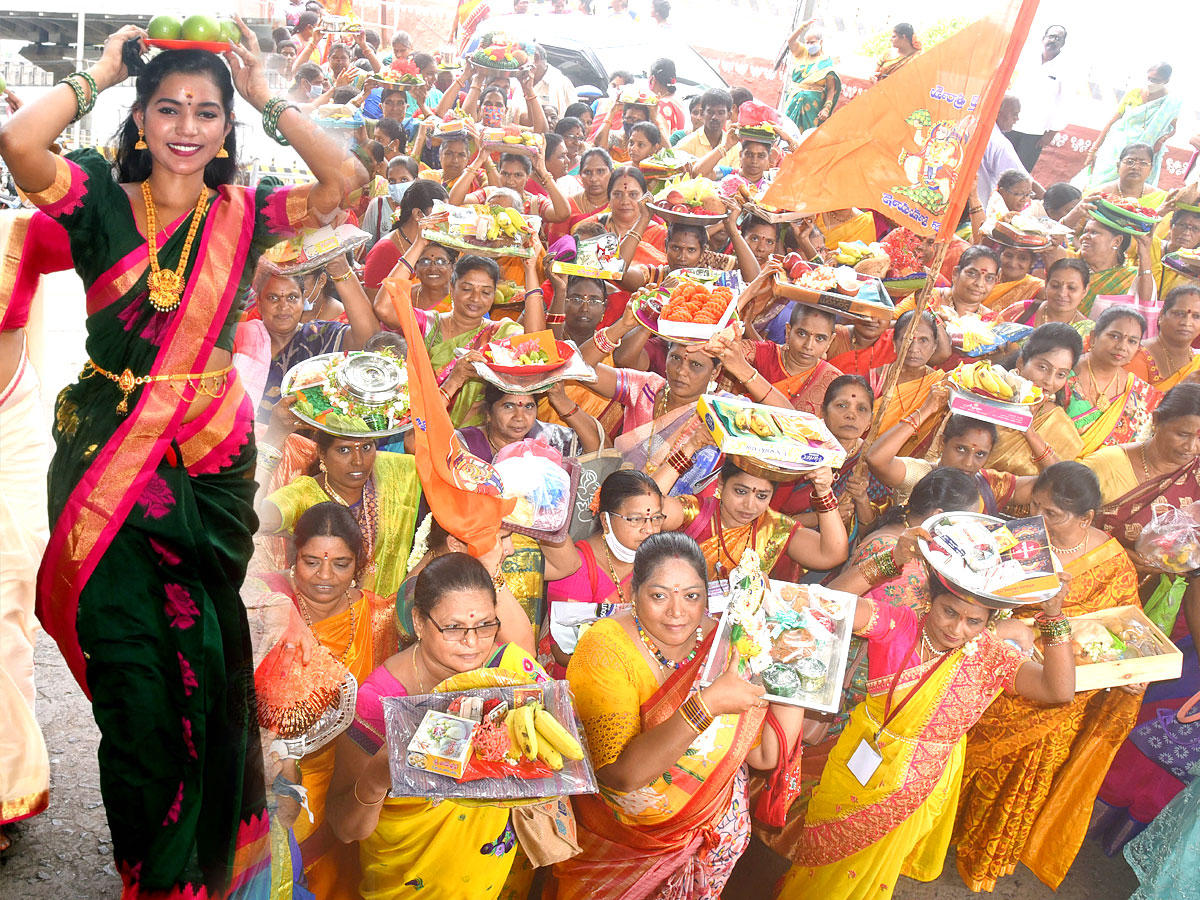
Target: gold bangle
[349,272]
[362,802]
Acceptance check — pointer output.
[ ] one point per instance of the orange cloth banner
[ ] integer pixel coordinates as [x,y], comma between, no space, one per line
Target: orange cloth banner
[910,146]
[463,491]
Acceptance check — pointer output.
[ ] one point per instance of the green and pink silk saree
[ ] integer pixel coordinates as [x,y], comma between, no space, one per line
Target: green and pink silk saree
[151,533]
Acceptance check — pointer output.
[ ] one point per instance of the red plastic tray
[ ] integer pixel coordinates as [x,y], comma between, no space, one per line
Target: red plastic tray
[210,46]
[564,351]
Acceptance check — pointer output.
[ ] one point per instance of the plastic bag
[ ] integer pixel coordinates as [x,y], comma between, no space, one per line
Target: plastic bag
[1172,538]
[533,473]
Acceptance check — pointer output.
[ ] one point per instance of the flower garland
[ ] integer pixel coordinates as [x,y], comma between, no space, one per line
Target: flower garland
[420,544]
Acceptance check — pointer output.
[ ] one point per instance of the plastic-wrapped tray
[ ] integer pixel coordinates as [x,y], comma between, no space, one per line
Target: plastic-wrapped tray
[403,716]
[572,468]
[871,301]
[829,658]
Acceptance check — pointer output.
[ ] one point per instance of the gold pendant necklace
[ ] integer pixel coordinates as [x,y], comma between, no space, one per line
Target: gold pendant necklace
[166,285]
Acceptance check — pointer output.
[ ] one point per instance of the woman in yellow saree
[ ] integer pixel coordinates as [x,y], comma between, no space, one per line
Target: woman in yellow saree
[1047,359]
[1167,358]
[846,225]
[739,517]
[1066,284]
[1109,405]
[1104,249]
[1032,771]
[414,847]
[672,815]
[1016,283]
[917,379]
[905,48]
[885,805]
[358,628]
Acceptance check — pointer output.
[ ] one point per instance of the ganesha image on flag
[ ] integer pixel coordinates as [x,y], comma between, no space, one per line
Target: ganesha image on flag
[933,170]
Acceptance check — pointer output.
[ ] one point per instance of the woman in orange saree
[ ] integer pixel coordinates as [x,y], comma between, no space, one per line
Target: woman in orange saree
[358,628]
[885,805]
[151,482]
[1032,770]
[672,816]
[1168,358]
[916,382]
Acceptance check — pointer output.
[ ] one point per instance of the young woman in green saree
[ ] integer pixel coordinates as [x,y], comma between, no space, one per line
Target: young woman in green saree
[151,484]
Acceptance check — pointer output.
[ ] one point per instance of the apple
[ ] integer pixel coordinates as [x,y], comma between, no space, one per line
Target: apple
[3,85]
[201,28]
[231,31]
[164,28]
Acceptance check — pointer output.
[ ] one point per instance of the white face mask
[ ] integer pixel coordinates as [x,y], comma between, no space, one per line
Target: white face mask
[615,547]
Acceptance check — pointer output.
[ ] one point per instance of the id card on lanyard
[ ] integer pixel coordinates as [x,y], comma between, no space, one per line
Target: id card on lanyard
[867,757]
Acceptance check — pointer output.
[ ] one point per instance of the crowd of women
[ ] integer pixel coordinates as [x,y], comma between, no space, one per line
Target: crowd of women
[353,565]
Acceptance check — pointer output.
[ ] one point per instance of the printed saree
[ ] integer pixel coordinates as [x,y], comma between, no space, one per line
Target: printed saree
[723,547]
[1144,366]
[804,94]
[1032,769]
[1140,122]
[311,339]
[1011,452]
[330,866]
[436,849]
[387,517]
[151,534]
[858,840]
[1127,419]
[1167,856]
[1025,312]
[805,390]
[648,434]
[678,837]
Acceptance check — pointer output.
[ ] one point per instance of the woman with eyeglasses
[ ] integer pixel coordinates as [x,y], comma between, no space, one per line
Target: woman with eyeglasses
[597,570]
[416,203]
[1183,234]
[1146,115]
[576,310]
[265,350]
[410,845]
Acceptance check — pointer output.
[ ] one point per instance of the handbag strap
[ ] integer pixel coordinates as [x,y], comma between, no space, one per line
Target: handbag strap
[1166,720]
[1186,715]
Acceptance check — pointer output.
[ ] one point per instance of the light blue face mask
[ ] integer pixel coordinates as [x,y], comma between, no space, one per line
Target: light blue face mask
[315,91]
[813,49]
[397,191]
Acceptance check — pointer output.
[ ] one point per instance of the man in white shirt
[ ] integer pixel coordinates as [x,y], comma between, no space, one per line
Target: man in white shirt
[1041,85]
[551,85]
[1000,155]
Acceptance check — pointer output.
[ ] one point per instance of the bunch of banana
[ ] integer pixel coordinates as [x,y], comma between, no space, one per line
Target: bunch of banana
[981,377]
[850,253]
[535,734]
[510,222]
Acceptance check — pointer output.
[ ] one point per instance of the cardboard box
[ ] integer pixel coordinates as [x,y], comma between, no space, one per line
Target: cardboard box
[441,744]
[1011,415]
[597,257]
[1165,666]
[790,437]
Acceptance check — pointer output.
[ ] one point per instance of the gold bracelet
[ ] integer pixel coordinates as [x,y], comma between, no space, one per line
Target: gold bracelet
[362,802]
[349,272]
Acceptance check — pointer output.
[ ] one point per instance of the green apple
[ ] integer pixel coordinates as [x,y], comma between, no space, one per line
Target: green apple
[3,85]
[202,28]
[164,28]
[230,31]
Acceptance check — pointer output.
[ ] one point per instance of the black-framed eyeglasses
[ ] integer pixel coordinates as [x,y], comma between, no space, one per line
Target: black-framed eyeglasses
[456,634]
[641,521]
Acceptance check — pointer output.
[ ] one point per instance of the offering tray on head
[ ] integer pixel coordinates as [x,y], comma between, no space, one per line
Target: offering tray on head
[575,369]
[1001,564]
[358,394]
[528,354]
[691,306]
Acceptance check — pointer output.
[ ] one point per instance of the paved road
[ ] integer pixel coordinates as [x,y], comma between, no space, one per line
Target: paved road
[66,851]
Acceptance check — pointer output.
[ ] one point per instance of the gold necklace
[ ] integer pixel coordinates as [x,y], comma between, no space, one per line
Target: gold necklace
[416,671]
[612,571]
[1170,359]
[1145,462]
[1103,401]
[166,285]
[333,495]
[1061,551]
[308,620]
[660,407]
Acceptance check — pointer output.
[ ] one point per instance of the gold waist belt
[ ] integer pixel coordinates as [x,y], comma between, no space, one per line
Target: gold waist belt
[208,384]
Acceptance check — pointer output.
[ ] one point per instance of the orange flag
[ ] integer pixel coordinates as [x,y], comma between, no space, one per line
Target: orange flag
[910,146]
[463,491]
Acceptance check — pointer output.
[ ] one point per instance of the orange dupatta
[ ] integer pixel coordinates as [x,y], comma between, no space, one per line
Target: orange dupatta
[627,861]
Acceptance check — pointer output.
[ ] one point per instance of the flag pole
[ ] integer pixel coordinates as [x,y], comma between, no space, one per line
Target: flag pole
[892,380]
